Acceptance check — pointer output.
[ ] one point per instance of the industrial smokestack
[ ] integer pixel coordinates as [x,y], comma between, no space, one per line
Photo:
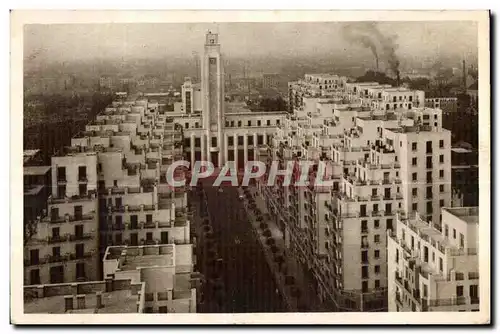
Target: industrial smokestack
[369,35]
[464,77]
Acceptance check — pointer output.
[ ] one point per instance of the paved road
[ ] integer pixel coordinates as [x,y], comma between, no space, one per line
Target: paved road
[247,280]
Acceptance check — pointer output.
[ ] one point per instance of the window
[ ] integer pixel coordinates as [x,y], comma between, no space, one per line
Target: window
[462,241]
[149,218]
[441,188]
[34,276]
[230,141]
[441,158]
[414,207]
[364,286]
[249,123]
[214,141]
[197,142]
[377,283]
[414,161]
[441,173]
[446,230]
[80,270]
[454,234]
[61,174]
[268,122]
[413,146]
[376,254]
[414,192]
[364,226]
[239,123]
[441,143]
[377,269]
[82,173]
[414,176]
[364,272]
[364,256]
[376,223]
[56,252]
[240,140]
[376,238]
[441,264]
[79,250]
[429,147]
[79,231]
[460,290]
[164,237]
[115,183]
[441,202]
[389,224]
[149,236]
[259,122]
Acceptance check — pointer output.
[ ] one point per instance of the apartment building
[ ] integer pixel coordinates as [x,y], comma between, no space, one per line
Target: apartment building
[166,270]
[109,188]
[107,296]
[386,154]
[64,244]
[434,269]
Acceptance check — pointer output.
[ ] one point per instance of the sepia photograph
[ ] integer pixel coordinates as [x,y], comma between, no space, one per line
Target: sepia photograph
[250,167]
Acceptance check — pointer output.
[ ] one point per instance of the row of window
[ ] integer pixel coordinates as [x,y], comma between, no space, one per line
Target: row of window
[230,141]
[414,176]
[414,146]
[414,161]
[231,124]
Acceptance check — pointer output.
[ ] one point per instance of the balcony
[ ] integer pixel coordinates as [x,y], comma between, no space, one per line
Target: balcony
[70,218]
[57,239]
[84,236]
[62,180]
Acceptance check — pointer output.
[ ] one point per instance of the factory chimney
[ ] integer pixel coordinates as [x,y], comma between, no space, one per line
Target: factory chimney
[464,78]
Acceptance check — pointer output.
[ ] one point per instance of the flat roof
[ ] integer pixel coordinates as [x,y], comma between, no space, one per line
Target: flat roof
[122,301]
[467,214]
[36,170]
[50,298]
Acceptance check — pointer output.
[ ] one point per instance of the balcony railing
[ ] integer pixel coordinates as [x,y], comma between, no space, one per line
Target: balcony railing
[70,218]
[84,236]
[57,239]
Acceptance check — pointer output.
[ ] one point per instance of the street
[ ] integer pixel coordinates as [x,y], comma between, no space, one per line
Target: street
[247,283]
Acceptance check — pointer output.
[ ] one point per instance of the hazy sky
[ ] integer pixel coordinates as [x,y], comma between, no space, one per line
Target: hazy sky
[80,41]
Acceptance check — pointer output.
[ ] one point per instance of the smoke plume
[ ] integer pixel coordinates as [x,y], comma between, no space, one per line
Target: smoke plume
[369,35]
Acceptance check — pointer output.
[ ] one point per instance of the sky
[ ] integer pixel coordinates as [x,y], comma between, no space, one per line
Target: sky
[142,40]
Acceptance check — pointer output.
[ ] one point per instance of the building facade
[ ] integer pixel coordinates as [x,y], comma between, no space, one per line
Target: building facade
[434,268]
[387,156]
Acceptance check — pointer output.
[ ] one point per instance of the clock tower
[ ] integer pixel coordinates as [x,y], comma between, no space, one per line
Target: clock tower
[212,87]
